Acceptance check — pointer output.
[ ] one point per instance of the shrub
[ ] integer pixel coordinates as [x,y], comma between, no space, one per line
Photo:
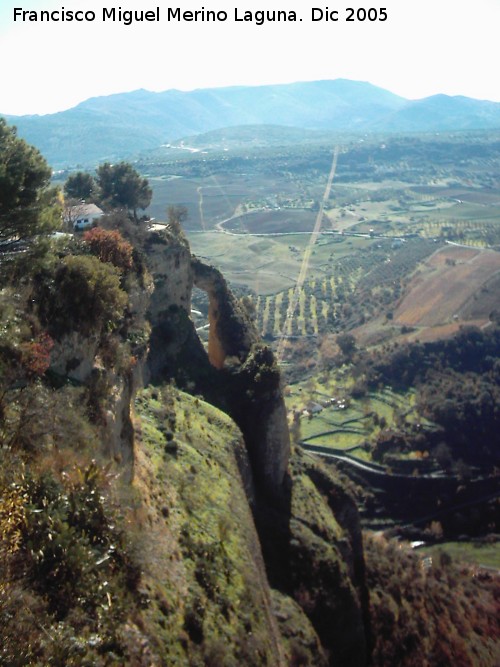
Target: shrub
[35,355]
[84,294]
[66,573]
[110,246]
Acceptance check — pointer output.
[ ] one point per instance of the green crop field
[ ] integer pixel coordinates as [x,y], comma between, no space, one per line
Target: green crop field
[346,423]
[475,553]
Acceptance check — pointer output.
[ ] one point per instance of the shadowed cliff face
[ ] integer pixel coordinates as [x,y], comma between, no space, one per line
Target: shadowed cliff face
[248,387]
[254,393]
[307,525]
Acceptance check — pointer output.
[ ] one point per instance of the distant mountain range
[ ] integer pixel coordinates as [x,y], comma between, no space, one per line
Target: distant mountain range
[117,126]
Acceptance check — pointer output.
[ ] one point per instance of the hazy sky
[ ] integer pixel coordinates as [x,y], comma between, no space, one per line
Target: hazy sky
[424,47]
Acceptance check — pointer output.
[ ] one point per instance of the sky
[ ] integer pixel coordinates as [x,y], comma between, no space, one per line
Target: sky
[424,47]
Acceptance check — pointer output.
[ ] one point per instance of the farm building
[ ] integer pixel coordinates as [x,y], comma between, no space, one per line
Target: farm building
[82,216]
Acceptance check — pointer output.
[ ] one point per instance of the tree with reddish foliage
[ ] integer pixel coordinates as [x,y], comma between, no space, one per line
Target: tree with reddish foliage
[110,246]
[35,355]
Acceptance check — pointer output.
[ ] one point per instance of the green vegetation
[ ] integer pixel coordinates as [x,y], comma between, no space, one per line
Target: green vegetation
[415,620]
[480,553]
[82,294]
[68,580]
[80,186]
[333,417]
[136,527]
[115,186]
[28,206]
[189,476]
[121,186]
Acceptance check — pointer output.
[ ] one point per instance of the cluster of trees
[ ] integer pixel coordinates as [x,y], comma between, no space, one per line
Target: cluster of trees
[471,350]
[31,208]
[114,186]
[425,616]
[458,389]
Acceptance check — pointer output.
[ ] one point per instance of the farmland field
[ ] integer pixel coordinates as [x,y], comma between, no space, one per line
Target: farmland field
[330,419]
[443,289]
[475,553]
[406,256]
[272,221]
[374,268]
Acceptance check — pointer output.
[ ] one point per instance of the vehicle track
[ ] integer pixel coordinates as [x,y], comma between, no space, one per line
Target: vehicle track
[292,306]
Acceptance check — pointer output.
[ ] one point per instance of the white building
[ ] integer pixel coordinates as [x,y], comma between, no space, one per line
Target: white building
[82,216]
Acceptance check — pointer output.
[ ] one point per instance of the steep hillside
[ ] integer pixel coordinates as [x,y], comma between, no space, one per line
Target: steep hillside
[141,524]
[107,127]
[209,601]
[152,509]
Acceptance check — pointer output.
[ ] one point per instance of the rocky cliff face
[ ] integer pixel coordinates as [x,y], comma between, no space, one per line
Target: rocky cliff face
[237,372]
[253,392]
[251,553]
[307,525]
[110,367]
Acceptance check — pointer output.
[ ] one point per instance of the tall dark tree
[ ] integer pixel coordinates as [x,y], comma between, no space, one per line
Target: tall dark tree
[80,186]
[121,186]
[28,206]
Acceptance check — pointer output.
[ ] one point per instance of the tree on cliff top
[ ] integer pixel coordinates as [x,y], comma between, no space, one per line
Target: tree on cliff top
[80,186]
[121,186]
[28,206]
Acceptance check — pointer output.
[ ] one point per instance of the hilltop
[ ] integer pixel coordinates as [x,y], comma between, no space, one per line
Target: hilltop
[124,124]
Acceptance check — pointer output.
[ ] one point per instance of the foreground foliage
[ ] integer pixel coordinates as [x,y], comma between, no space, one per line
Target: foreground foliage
[67,575]
[427,612]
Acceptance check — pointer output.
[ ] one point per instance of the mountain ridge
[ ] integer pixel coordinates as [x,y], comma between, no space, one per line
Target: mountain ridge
[120,125]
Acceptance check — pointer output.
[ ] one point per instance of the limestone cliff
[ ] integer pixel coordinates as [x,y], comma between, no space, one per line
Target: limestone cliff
[307,526]
[237,373]
[106,359]
[249,553]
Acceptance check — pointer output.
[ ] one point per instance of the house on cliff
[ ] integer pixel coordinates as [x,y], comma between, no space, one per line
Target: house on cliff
[82,216]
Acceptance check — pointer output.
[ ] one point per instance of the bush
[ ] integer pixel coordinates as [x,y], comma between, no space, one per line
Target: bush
[66,573]
[83,295]
[110,246]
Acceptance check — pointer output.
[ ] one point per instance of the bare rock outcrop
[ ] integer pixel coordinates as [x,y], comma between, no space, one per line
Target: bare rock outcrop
[237,372]
[254,397]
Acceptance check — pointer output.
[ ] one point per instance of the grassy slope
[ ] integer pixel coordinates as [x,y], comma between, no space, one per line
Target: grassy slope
[209,600]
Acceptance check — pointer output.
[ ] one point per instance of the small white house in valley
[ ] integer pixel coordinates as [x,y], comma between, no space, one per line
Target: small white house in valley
[82,216]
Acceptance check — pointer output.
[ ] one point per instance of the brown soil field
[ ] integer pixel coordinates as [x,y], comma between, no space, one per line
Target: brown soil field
[272,221]
[489,301]
[453,253]
[440,291]
[444,331]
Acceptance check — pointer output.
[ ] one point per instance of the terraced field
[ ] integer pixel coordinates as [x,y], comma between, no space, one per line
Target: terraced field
[330,419]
